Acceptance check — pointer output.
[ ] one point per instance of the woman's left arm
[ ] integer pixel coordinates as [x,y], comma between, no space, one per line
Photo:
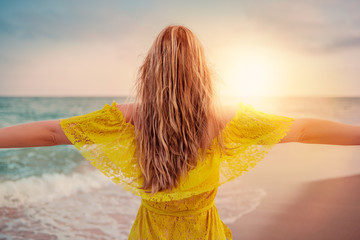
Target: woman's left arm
[329,132]
[321,131]
[34,134]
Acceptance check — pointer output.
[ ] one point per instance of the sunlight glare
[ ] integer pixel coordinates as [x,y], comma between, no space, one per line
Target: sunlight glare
[252,73]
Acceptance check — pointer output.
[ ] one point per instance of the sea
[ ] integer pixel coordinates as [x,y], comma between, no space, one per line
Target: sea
[54,193]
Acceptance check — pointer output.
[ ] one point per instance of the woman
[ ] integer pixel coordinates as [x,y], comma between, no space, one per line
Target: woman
[172,146]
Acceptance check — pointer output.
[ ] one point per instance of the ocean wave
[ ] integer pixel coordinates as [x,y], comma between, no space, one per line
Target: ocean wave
[45,188]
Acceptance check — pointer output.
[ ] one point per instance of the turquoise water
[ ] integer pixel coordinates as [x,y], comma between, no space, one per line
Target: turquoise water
[45,192]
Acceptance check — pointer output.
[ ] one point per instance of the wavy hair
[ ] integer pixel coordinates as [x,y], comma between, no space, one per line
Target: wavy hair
[173,108]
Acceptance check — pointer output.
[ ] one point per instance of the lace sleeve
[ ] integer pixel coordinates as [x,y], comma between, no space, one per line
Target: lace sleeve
[105,139]
[249,136]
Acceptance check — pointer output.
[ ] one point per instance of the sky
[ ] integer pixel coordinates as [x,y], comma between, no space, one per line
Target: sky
[254,48]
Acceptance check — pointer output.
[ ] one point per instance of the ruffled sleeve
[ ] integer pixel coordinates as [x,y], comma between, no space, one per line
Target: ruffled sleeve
[249,136]
[105,139]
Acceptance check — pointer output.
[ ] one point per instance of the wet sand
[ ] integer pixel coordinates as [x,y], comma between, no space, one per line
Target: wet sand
[313,195]
[328,209]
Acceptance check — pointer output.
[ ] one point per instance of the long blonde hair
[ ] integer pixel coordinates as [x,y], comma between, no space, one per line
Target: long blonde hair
[173,108]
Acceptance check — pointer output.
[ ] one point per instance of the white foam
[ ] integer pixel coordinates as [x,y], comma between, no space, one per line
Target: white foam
[105,213]
[48,187]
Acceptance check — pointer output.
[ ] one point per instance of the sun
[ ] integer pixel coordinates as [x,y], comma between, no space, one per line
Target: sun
[251,73]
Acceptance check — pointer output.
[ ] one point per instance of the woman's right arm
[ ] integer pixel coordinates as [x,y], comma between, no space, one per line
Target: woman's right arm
[319,131]
[34,134]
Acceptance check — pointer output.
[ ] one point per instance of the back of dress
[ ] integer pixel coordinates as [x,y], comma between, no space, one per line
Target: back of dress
[187,212]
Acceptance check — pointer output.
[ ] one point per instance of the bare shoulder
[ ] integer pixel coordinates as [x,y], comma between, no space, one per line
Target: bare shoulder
[226,113]
[127,111]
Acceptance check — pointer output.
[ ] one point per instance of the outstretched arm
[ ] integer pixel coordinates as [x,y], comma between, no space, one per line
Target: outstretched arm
[319,131]
[35,134]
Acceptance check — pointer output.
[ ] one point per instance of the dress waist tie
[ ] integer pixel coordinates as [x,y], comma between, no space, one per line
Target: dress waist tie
[185,213]
[177,213]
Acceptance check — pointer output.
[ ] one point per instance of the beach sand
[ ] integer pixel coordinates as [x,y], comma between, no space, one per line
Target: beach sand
[313,192]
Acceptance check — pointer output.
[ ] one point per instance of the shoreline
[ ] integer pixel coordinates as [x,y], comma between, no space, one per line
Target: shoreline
[299,191]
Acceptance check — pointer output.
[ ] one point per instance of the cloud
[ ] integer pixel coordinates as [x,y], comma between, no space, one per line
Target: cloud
[314,26]
[343,44]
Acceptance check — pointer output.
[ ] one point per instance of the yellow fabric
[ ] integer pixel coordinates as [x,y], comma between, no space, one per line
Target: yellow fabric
[187,212]
[191,218]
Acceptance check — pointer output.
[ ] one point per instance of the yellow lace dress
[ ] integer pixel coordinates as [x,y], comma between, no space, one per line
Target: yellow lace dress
[188,212]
